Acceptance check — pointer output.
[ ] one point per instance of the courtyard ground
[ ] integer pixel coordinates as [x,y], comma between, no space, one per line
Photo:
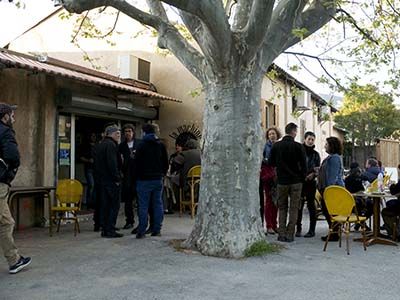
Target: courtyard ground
[90,267]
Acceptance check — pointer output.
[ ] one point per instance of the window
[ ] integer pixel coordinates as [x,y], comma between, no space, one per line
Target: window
[294,104]
[270,115]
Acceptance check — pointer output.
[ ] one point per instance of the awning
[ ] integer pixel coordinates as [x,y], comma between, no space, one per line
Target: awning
[22,61]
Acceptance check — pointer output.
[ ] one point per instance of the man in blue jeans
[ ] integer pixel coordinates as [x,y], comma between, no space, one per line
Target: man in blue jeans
[151,166]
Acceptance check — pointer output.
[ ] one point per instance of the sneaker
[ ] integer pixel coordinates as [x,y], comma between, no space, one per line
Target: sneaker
[298,234]
[149,230]
[21,263]
[270,231]
[289,239]
[156,234]
[128,226]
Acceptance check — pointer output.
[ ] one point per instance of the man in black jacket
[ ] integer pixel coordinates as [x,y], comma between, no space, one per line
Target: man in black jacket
[107,165]
[310,185]
[150,167]
[128,190]
[289,158]
[9,164]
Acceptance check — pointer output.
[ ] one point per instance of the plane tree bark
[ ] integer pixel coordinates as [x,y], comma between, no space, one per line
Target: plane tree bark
[230,63]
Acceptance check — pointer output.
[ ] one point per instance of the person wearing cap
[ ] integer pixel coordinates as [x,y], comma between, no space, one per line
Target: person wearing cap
[9,164]
[128,190]
[151,165]
[107,167]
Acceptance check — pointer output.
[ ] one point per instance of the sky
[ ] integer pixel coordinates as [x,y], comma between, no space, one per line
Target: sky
[14,21]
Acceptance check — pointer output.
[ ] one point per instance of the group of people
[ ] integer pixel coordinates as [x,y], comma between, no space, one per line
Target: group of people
[291,173]
[135,170]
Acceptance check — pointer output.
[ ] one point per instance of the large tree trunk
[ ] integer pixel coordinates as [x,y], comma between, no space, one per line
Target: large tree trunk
[228,219]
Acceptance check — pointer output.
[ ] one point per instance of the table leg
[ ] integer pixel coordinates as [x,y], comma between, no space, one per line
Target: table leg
[50,220]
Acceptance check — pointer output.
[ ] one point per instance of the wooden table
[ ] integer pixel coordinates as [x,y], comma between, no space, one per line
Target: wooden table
[376,237]
[17,191]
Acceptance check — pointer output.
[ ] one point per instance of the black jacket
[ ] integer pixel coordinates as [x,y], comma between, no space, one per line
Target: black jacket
[353,183]
[289,158]
[313,159]
[128,164]
[151,159]
[107,162]
[9,153]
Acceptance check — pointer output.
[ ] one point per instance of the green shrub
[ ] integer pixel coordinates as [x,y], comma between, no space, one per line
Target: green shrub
[262,248]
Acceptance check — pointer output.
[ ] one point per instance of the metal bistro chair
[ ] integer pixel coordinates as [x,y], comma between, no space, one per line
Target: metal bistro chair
[340,204]
[318,206]
[192,181]
[68,195]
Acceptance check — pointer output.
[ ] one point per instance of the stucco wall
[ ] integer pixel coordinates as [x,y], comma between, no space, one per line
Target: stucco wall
[34,128]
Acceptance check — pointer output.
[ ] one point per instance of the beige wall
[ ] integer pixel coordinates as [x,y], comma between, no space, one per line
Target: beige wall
[33,126]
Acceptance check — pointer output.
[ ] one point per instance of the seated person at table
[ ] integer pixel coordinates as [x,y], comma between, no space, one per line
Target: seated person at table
[391,212]
[354,183]
[185,160]
[372,170]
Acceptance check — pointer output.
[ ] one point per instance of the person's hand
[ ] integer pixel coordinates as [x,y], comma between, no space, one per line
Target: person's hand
[310,177]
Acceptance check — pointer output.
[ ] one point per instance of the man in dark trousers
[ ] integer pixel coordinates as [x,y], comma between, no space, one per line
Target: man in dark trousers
[9,163]
[128,190]
[107,166]
[289,158]
[151,166]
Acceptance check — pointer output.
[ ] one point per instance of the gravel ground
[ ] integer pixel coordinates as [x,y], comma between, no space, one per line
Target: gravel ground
[90,267]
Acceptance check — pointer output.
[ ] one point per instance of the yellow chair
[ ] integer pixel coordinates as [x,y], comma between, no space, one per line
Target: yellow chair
[318,206]
[68,195]
[193,181]
[341,204]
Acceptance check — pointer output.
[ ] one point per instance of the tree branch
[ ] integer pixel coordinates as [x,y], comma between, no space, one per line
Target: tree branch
[290,15]
[312,19]
[169,37]
[203,38]
[353,22]
[257,26]
[242,12]
[212,14]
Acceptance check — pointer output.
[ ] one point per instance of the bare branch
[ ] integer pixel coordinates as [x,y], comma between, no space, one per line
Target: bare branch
[203,38]
[290,15]
[212,15]
[157,9]
[312,19]
[80,27]
[242,12]
[169,37]
[353,22]
[228,7]
[257,27]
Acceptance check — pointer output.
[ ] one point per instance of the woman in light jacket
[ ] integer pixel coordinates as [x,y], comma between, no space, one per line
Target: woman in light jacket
[331,173]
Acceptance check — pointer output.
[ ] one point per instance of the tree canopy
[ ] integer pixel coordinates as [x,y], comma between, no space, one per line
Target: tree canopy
[367,115]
